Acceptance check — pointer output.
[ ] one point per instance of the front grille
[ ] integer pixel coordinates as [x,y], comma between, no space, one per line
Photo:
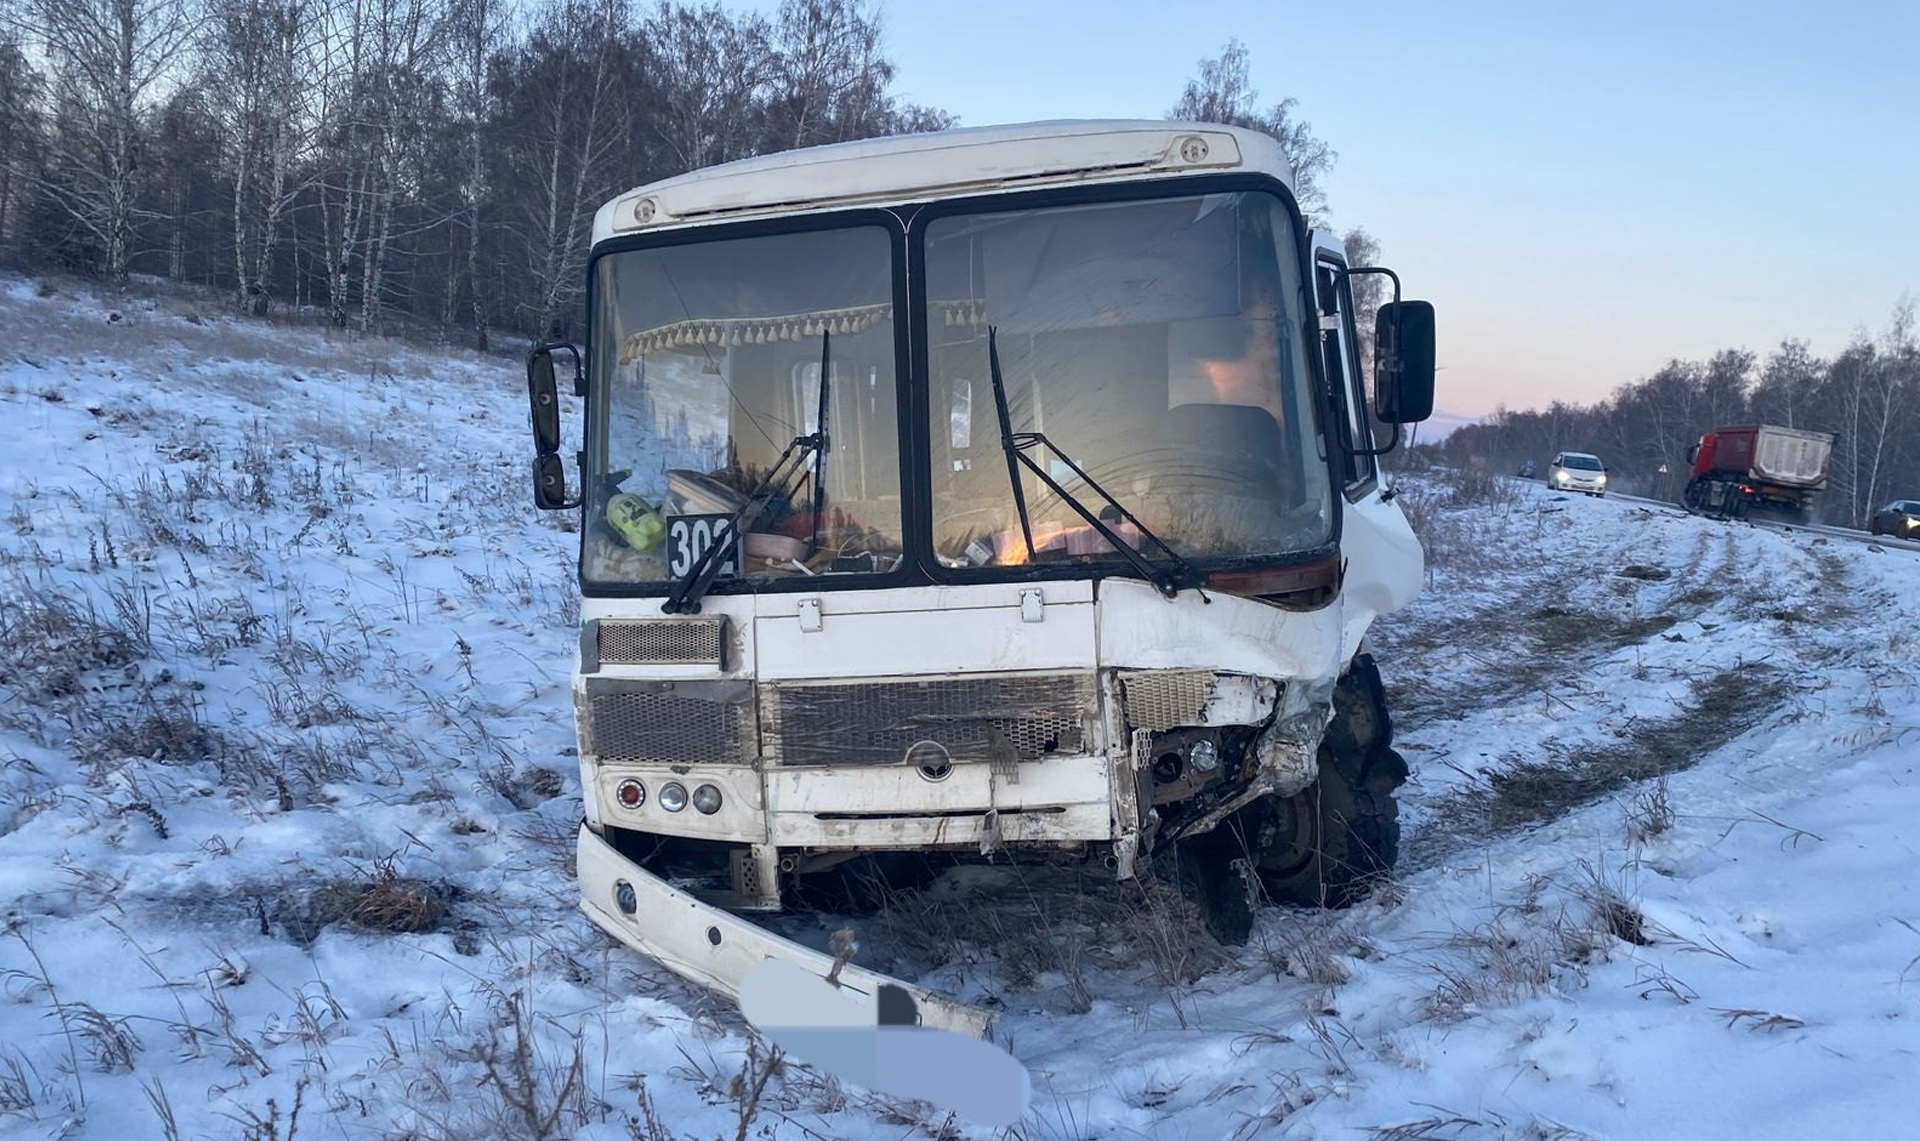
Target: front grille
[669,641]
[973,719]
[1159,700]
[669,722]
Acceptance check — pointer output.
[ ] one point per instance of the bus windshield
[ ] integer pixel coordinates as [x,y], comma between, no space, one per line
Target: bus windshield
[706,365]
[1155,342]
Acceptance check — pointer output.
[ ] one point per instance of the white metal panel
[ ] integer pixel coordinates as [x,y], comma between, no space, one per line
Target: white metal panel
[1058,799]
[1327,242]
[928,598]
[1385,567]
[1078,822]
[857,640]
[716,948]
[1790,456]
[1139,629]
[901,788]
[971,160]
[741,816]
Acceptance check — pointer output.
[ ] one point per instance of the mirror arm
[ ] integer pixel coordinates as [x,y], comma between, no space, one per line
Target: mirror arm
[1393,441]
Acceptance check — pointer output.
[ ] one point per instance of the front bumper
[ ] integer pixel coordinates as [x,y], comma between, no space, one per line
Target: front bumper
[715,948]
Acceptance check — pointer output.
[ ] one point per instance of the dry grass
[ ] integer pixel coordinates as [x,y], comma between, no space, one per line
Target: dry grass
[384,900]
[1447,1125]
[1459,517]
[1545,940]
[1650,814]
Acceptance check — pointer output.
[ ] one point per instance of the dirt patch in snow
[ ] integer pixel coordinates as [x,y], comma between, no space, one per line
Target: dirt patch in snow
[1500,651]
[1525,794]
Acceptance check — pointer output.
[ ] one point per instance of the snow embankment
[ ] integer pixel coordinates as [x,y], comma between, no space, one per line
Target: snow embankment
[287,796]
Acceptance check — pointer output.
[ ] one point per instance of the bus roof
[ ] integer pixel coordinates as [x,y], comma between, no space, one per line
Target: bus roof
[941,164]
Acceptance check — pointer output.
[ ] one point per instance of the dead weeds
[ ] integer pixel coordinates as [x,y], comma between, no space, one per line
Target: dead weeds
[384,901]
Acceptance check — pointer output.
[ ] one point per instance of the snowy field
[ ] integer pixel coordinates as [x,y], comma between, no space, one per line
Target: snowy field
[287,799]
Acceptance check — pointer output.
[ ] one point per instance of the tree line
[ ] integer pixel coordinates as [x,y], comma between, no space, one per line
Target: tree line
[429,166]
[432,163]
[1867,395]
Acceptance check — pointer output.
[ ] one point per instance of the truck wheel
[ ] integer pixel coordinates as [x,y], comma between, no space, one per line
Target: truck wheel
[1324,846]
[1330,843]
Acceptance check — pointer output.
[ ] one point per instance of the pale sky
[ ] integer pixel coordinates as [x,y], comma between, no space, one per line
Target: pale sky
[1582,190]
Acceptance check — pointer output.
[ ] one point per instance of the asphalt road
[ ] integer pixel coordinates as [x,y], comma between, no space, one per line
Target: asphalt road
[1846,533]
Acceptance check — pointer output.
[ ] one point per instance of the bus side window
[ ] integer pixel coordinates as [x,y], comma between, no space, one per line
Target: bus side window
[1341,352]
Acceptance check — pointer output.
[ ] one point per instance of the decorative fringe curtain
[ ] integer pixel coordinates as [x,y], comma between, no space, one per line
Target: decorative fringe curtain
[798,326]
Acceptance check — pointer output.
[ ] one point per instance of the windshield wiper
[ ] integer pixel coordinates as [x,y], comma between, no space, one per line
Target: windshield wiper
[823,444]
[686,595]
[1168,579]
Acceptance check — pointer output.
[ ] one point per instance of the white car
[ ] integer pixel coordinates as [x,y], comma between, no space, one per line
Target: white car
[1577,471]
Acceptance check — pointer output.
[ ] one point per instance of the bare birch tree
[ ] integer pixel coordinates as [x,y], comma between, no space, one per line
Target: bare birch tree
[707,71]
[259,54]
[105,59]
[572,131]
[478,27]
[20,135]
[1223,92]
[827,73]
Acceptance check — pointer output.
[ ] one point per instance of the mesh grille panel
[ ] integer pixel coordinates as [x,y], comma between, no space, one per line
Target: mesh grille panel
[874,723]
[683,724]
[699,641]
[1165,699]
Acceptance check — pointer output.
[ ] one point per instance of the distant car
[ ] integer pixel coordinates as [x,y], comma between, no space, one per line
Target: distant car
[1901,519]
[1577,471]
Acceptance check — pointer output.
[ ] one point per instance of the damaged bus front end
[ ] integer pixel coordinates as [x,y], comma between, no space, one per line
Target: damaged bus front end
[1014,489]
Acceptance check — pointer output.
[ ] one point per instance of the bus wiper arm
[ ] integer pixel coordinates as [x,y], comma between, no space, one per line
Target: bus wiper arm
[1167,579]
[825,441]
[687,593]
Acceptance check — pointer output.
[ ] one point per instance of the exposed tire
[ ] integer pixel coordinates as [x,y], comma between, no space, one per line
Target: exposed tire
[1693,498]
[1329,844]
[1325,846]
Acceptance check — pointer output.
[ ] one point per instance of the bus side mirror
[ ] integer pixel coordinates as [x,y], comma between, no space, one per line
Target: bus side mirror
[543,411]
[1403,362]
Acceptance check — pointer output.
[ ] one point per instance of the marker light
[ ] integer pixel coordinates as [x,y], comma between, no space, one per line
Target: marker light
[706,798]
[631,794]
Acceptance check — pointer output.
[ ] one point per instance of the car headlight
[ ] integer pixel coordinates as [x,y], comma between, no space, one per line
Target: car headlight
[1602,479]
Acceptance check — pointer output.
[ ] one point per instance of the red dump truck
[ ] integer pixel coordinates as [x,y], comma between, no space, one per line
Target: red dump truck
[1759,466]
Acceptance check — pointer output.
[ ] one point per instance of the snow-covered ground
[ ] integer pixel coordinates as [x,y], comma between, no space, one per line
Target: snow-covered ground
[286,803]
